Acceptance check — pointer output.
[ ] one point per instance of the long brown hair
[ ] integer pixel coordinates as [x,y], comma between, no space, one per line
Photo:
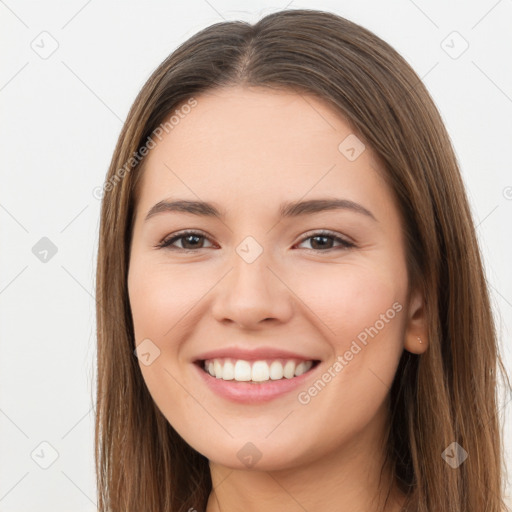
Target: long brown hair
[448,394]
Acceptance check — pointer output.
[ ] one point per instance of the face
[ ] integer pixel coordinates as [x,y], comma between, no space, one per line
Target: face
[268,332]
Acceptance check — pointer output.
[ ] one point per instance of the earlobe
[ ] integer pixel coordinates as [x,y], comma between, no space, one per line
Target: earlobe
[415,344]
[416,336]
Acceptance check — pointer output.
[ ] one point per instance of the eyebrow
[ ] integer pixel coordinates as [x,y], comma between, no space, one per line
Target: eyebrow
[289,209]
[286,210]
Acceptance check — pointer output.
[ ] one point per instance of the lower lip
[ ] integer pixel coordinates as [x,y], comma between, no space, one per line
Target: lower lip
[247,393]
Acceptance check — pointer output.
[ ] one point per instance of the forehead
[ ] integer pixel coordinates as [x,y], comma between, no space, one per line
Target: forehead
[258,146]
[260,123]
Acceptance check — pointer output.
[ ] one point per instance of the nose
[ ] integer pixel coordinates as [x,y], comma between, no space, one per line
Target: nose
[252,294]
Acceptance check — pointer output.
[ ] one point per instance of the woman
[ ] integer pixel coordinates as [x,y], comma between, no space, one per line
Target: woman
[292,311]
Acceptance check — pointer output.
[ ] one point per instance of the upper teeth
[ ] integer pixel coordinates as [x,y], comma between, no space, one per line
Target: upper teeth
[257,371]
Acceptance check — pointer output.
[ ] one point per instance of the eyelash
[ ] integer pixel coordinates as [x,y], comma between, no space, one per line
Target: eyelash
[167,243]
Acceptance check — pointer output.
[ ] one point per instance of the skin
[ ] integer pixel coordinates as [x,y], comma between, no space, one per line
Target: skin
[247,150]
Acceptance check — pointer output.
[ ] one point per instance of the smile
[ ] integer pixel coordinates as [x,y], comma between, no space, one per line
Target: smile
[255,381]
[241,370]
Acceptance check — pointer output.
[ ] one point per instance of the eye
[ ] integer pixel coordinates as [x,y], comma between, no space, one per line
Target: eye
[191,241]
[320,239]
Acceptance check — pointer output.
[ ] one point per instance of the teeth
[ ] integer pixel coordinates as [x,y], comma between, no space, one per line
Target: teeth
[276,370]
[228,371]
[289,369]
[217,369]
[242,370]
[301,368]
[260,371]
[257,371]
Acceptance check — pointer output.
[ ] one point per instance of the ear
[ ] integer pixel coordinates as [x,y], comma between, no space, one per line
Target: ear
[416,335]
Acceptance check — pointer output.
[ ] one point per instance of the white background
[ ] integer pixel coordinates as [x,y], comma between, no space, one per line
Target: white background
[61,119]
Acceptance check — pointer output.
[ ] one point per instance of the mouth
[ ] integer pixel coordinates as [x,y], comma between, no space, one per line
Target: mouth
[256,372]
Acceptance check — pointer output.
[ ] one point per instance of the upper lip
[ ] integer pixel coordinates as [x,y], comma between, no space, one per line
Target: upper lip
[253,354]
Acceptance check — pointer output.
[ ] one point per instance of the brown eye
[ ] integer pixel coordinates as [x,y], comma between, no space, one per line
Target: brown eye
[190,241]
[323,241]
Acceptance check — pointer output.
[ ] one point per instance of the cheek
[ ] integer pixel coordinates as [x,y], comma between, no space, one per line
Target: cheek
[161,299]
[348,298]
[162,302]
[360,312]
